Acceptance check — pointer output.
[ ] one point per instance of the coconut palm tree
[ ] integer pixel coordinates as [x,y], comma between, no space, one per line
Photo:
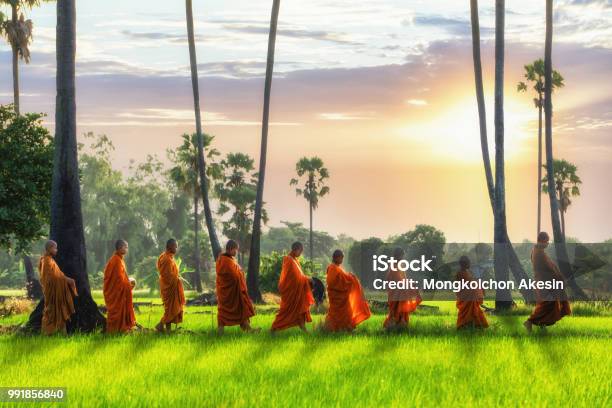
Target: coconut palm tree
[313,186]
[254,255]
[515,265]
[560,248]
[212,232]
[18,33]
[66,217]
[567,184]
[534,74]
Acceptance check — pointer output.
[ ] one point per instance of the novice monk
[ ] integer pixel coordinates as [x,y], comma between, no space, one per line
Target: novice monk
[402,302]
[347,305]
[118,292]
[551,305]
[171,288]
[469,300]
[233,303]
[58,291]
[296,296]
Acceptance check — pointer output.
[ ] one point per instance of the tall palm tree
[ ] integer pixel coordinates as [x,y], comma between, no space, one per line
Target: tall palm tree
[18,33]
[253,269]
[66,217]
[534,74]
[515,265]
[313,186]
[212,232]
[560,248]
[567,184]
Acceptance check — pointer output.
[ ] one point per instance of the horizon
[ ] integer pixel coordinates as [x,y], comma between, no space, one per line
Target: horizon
[386,101]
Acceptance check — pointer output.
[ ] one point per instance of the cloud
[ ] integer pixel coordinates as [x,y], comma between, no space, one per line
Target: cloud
[320,35]
[416,102]
[346,116]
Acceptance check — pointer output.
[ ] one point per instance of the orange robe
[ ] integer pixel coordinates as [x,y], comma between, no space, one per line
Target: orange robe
[171,289]
[401,302]
[347,304]
[233,303]
[118,296]
[296,296]
[468,303]
[58,294]
[551,305]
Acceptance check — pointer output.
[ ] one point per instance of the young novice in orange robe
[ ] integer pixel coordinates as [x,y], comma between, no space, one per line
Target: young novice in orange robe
[347,304]
[551,305]
[402,302]
[469,300]
[296,295]
[117,291]
[170,287]
[233,303]
[58,290]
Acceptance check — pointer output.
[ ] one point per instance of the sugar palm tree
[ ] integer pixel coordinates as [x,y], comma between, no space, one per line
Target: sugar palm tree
[560,249]
[66,216]
[567,184]
[254,255]
[212,232]
[515,265]
[18,33]
[534,74]
[313,186]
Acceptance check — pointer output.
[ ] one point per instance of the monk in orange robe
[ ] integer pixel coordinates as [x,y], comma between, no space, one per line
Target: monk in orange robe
[469,300]
[170,287]
[402,302]
[295,291]
[234,305]
[347,304]
[58,290]
[118,292]
[551,304]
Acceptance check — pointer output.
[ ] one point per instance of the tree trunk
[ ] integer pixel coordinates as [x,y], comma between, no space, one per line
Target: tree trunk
[514,263]
[33,287]
[197,279]
[66,216]
[15,62]
[539,164]
[212,233]
[560,248]
[254,253]
[503,298]
[310,243]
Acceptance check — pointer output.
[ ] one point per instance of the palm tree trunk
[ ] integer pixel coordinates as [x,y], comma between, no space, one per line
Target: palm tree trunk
[15,62]
[254,255]
[66,217]
[310,236]
[503,298]
[539,191]
[212,233]
[560,248]
[514,263]
[33,287]
[197,279]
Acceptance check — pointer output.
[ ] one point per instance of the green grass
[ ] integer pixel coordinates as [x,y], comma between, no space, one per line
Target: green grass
[431,365]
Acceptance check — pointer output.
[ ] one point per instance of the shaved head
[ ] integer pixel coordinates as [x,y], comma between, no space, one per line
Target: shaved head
[464,262]
[171,242]
[231,244]
[120,243]
[50,244]
[297,246]
[543,237]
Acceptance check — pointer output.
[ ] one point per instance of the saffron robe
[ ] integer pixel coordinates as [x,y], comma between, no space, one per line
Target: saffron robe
[296,296]
[347,304]
[233,303]
[117,290]
[401,302]
[551,304]
[468,304]
[58,293]
[171,289]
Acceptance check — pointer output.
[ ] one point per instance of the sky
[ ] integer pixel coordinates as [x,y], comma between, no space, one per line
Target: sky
[382,91]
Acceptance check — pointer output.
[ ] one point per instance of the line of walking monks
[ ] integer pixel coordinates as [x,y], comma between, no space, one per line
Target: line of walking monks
[347,304]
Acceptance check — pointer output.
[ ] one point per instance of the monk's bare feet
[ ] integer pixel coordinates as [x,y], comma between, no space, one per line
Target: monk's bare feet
[168,327]
[303,329]
[528,325]
[220,330]
[159,328]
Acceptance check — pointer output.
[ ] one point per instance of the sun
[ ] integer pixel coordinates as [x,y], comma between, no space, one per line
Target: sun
[454,133]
